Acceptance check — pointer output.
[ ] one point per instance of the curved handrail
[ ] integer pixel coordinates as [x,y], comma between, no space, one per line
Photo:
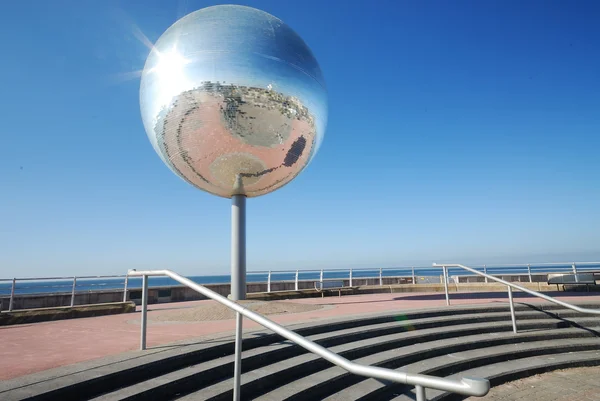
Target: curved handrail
[466,386]
[521,288]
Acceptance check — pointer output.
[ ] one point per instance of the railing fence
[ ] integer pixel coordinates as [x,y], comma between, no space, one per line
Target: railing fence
[18,287]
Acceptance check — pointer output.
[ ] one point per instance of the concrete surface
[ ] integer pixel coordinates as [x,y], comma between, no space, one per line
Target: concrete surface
[579,384]
[37,347]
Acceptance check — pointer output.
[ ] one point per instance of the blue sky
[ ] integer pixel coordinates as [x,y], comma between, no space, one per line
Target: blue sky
[461,131]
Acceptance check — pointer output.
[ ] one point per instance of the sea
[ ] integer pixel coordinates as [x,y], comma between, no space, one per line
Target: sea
[65,285]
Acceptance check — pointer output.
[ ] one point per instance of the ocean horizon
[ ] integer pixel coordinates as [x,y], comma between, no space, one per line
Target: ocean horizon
[33,286]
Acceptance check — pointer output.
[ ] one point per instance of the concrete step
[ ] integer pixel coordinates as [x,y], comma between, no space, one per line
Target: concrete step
[337,384]
[111,373]
[504,372]
[309,373]
[270,362]
[188,379]
[473,360]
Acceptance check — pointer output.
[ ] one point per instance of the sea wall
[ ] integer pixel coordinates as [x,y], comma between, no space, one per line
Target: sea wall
[165,294]
[285,289]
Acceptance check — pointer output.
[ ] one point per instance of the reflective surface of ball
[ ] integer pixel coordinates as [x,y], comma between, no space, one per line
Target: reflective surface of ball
[233,101]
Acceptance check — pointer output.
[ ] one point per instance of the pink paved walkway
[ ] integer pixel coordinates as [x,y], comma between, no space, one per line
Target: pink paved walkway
[31,348]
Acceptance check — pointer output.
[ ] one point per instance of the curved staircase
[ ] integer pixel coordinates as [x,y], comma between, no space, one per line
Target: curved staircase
[453,342]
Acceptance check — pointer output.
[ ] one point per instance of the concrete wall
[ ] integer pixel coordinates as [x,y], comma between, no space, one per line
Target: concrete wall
[47,314]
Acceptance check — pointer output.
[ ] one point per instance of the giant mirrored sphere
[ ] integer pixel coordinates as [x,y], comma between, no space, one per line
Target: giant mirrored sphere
[233,101]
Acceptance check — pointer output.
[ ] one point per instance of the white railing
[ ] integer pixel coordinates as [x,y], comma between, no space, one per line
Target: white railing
[465,386]
[510,287]
[23,287]
[411,272]
[61,285]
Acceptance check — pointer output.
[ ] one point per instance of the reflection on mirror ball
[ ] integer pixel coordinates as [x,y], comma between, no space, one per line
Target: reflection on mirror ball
[233,101]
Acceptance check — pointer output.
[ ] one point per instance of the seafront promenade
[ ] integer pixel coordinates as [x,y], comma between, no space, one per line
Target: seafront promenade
[31,348]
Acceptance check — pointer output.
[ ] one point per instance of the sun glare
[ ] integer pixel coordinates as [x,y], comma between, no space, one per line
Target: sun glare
[170,64]
[170,71]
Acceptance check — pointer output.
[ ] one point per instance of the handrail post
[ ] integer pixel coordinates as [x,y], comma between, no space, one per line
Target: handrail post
[237,366]
[321,278]
[269,282]
[529,273]
[238,247]
[73,292]
[12,295]
[446,285]
[485,271]
[144,311]
[421,396]
[350,283]
[125,288]
[296,281]
[380,276]
[575,272]
[512,309]
[414,279]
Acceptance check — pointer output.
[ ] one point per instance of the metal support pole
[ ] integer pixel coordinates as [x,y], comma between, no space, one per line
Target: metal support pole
[575,272]
[12,295]
[350,284]
[238,280]
[125,288]
[446,285]
[296,283]
[485,271]
[144,311]
[414,278]
[529,273]
[420,390]
[321,278]
[512,309]
[269,282]
[237,367]
[380,276]
[73,292]
[238,247]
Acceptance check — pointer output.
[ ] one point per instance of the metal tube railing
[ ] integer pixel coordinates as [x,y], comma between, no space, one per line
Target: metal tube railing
[520,288]
[445,278]
[465,386]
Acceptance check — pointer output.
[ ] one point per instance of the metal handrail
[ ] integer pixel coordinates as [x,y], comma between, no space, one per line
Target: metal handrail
[516,286]
[465,386]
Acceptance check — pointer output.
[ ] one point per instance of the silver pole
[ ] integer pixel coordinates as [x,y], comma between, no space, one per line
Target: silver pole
[237,368]
[73,292]
[446,285]
[238,280]
[238,247]
[321,278]
[575,273]
[413,276]
[269,282]
[350,284]
[144,311]
[380,276]
[512,309]
[12,295]
[529,273]
[125,288]
[485,271]
[296,281]
[420,390]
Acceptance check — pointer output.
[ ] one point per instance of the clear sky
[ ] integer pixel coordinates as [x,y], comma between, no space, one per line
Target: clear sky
[459,131]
